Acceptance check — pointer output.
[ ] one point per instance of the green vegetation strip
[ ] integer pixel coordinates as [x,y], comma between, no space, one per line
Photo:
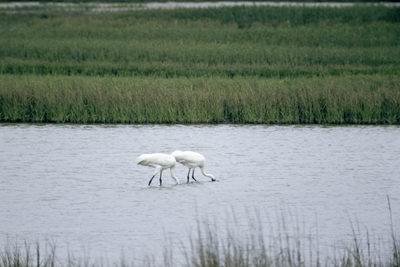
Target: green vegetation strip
[215,65]
[77,99]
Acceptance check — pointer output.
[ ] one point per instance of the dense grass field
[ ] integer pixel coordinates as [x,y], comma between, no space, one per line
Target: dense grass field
[216,65]
[81,99]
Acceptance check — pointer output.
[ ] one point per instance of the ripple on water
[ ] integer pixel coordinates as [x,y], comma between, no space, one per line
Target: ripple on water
[80,184]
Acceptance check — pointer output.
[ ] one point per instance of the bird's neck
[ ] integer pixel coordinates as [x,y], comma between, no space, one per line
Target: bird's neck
[206,174]
[203,171]
[173,174]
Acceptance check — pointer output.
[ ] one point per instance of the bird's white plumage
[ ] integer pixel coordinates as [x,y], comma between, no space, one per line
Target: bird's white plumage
[156,159]
[192,160]
[189,159]
[160,162]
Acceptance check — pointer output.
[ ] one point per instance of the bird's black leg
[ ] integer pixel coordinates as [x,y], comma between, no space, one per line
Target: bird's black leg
[188,175]
[193,176]
[151,180]
[160,178]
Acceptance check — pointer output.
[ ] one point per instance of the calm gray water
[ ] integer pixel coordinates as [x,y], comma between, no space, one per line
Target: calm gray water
[78,185]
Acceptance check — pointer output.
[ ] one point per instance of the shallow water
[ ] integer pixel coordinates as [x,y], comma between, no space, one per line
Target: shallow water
[78,185]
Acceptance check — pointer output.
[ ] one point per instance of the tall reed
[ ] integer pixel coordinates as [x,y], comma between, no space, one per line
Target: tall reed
[232,247]
[215,65]
[336,100]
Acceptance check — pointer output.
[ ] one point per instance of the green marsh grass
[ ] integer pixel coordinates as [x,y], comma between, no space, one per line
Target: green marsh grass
[224,42]
[78,99]
[215,65]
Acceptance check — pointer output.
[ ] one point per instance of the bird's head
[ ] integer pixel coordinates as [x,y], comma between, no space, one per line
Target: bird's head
[212,178]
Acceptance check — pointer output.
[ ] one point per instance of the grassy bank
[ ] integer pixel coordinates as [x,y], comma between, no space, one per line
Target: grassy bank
[210,251]
[213,247]
[224,42]
[335,100]
[215,65]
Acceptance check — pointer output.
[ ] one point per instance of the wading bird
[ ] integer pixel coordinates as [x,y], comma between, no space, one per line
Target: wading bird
[192,160]
[160,162]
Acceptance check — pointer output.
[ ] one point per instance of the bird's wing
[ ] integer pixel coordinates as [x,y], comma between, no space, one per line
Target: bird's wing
[191,160]
[156,159]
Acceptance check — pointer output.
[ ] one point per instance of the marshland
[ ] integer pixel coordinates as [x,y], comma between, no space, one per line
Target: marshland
[296,109]
[241,64]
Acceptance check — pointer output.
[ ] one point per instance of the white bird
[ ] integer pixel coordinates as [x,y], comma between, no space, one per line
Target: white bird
[192,160]
[160,162]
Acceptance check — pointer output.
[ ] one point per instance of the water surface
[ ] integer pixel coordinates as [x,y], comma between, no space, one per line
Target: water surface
[79,186]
